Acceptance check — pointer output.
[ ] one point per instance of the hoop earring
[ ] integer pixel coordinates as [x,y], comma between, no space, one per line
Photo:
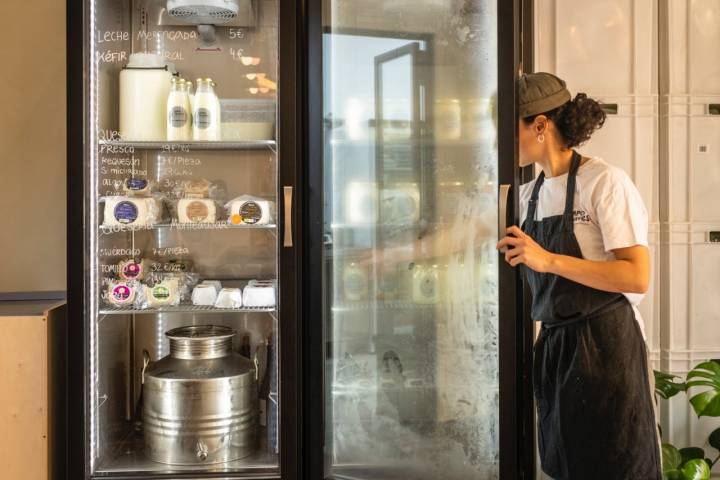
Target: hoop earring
[541,138]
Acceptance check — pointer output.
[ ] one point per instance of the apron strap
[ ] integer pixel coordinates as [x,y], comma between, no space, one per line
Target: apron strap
[570,194]
[532,204]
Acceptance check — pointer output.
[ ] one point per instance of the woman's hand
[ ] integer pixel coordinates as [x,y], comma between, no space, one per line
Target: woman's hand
[521,248]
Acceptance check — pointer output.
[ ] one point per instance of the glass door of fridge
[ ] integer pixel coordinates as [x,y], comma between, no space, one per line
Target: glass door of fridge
[411,300]
[181,173]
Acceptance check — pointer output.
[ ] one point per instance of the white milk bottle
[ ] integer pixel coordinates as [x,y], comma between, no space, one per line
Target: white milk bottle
[219,111]
[190,90]
[178,112]
[206,114]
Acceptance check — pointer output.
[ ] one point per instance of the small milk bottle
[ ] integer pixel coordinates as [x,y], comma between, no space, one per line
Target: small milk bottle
[219,111]
[178,112]
[206,116]
[190,90]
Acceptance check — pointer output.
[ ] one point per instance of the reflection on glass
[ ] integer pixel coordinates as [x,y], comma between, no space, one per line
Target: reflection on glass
[410,218]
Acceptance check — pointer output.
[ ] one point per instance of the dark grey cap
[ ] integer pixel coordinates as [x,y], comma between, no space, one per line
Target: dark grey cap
[540,92]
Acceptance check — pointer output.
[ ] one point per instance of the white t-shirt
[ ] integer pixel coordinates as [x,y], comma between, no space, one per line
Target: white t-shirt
[608,212]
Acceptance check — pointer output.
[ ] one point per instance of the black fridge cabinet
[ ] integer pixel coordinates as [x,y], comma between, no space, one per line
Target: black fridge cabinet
[376,135]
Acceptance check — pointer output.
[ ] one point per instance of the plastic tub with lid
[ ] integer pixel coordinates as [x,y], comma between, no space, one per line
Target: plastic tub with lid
[247,120]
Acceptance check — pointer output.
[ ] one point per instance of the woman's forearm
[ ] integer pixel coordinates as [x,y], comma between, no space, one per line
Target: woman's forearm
[621,276]
[440,242]
[628,273]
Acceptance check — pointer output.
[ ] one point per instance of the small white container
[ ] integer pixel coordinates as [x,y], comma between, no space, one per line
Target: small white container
[214,283]
[204,294]
[259,295]
[229,298]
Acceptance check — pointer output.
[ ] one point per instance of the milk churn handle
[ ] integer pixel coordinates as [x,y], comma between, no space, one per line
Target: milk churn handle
[146,362]
[256,362]
[138,406]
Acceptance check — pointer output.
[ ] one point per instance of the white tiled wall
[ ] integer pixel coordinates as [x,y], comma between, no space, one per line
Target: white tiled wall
[608,49]
[611,49]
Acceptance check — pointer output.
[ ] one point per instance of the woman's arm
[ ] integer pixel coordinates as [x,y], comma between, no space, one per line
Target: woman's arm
[629,273]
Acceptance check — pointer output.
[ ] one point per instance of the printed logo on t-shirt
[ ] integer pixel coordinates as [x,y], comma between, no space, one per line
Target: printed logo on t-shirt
[580,216]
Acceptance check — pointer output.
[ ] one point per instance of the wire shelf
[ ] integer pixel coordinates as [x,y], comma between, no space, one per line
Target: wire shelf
[185,308]
[184,227]
[191,145]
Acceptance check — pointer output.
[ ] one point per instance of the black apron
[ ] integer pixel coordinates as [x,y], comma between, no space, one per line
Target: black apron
[595,412]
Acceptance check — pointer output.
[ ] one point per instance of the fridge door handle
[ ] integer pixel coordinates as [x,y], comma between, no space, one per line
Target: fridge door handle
[288,236]
[502,212]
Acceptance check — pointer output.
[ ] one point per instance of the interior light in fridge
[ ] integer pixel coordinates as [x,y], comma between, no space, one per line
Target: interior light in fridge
[247,61]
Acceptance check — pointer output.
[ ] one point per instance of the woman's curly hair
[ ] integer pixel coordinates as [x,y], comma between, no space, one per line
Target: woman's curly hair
[576,120]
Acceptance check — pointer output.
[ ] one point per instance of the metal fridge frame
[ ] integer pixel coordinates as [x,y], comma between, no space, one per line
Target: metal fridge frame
[290,145]
[517,451]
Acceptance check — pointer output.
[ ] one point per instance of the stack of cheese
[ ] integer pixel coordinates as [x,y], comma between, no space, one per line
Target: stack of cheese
[137,208]
[142,283]
[195,206]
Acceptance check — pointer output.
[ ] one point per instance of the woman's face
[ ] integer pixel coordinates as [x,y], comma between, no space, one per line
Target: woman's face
[531,150]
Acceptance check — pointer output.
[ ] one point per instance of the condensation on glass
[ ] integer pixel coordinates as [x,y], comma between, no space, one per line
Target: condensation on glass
[410,165]
[243,63]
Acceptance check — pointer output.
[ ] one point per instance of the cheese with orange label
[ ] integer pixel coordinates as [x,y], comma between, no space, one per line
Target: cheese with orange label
[249,210]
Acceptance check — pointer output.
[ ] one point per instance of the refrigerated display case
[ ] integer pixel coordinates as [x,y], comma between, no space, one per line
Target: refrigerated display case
[180,280]
[352,177]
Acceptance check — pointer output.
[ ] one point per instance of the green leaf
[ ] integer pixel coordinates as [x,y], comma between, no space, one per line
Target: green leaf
[691,453]
[706,404]
[671,457]
[700,383]
[706,374]
[712,365]
[666,386]
[714,439]
[672,475]
[696,469]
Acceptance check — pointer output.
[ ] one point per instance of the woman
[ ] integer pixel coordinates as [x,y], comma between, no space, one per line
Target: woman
[583,250]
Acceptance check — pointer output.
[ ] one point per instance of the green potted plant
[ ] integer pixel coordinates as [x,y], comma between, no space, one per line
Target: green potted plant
[692,463]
